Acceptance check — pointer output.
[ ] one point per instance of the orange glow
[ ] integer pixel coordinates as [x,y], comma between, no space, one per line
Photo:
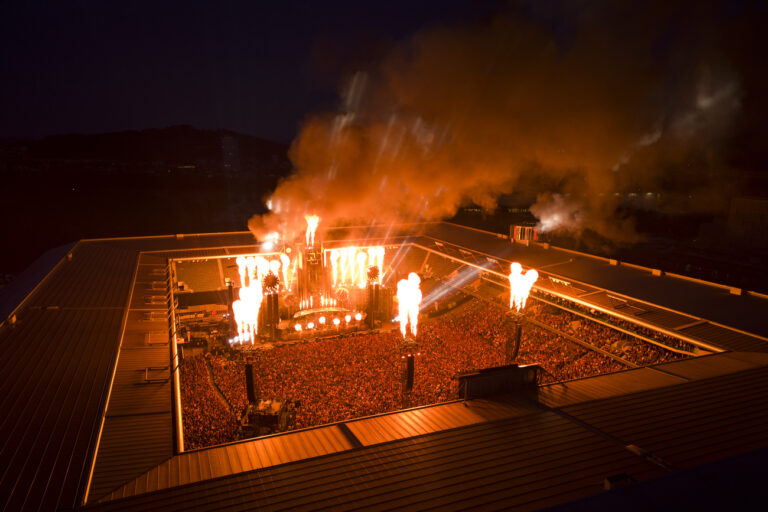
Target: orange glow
[409,300]
[312,222]
[251,295]
[520,285]
[362,258]
[286,261]
[349,265]
[252,270]
[334,266]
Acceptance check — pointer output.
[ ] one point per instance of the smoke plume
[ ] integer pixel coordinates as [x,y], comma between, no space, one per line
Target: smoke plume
[623,99]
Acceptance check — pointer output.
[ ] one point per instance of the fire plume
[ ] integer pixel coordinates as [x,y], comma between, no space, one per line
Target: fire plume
[349,265]
[251,294]
[312,222]
[286,261]
[520,285]
[252,270]
[409,299]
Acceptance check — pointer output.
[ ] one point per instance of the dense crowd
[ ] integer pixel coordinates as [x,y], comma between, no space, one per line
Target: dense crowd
[207,421]
[346,377]
[660,338]
[616,342]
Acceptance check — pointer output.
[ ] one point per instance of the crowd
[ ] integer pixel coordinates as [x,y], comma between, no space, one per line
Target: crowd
[660,338]
[346,377]
[616,342]
[206,420]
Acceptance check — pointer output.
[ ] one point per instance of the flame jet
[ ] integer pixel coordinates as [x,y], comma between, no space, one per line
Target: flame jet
[262,267]
[242,270]
[520,285]
[286,267]
[342,264]
[334,265]
[362,257]
[312,222]
[379,252]
[246,308]
[409,299]
[349,265]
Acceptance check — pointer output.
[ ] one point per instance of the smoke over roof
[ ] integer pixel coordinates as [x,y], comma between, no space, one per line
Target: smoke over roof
[623,98]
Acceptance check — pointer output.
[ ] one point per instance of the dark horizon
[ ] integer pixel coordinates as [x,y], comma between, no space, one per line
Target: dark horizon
[251,68]
[438,104]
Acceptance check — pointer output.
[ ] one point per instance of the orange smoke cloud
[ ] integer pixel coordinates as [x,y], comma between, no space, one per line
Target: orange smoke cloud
[464,114]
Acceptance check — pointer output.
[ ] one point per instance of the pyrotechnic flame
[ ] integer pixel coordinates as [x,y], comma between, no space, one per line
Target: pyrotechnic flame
[242,269]
[349,268]
[379,252]
[520,285]
[286,264]
[342,264]
[334,265]
[409,300]
[246,309]
[362,276]
[274,267]
[312,222]
[270,240]
[262,267]
[349,265]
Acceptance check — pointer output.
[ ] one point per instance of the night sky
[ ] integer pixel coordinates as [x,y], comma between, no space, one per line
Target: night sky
[252,67]
[569,107]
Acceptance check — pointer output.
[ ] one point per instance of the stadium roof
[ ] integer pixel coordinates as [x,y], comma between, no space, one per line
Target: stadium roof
[88,416]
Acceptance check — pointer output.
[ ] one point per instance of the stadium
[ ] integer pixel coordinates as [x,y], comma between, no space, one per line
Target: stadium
[139,375]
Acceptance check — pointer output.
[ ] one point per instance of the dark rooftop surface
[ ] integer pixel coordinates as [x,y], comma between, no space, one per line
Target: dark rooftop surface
[698,299]
[736,482]
[516,454]
[86,398]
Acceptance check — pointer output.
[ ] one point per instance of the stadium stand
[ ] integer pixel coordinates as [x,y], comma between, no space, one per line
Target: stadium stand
[90,420]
